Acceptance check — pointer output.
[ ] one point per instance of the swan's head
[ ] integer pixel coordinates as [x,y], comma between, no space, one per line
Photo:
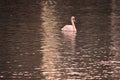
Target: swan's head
[73,18]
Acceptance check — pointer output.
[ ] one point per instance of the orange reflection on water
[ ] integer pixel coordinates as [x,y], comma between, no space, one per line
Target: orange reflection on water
[49,44]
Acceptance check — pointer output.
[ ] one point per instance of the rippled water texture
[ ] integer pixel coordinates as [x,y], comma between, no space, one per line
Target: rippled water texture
[33,47]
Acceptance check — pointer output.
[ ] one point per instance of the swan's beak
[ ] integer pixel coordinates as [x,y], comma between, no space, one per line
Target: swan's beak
[74,20]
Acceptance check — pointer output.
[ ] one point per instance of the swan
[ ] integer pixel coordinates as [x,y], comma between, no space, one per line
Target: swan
[70,27]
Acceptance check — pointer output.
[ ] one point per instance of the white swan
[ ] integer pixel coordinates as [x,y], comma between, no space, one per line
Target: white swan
[70,27]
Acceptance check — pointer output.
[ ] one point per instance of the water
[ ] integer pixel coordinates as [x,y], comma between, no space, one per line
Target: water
[33,47]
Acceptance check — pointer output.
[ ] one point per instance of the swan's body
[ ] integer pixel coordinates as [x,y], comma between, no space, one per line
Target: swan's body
[70,27]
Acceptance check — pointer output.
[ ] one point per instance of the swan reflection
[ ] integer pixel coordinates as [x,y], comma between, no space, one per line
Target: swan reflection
[69,41]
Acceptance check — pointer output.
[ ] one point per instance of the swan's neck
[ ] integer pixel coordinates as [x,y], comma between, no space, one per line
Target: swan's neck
[73,24]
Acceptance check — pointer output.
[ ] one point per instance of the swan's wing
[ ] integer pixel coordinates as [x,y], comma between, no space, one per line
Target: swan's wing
[67,27]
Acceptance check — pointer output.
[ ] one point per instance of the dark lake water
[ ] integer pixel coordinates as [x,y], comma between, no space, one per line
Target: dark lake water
[33,47]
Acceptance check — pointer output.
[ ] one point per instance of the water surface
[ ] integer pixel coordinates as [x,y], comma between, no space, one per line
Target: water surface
[33,47]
